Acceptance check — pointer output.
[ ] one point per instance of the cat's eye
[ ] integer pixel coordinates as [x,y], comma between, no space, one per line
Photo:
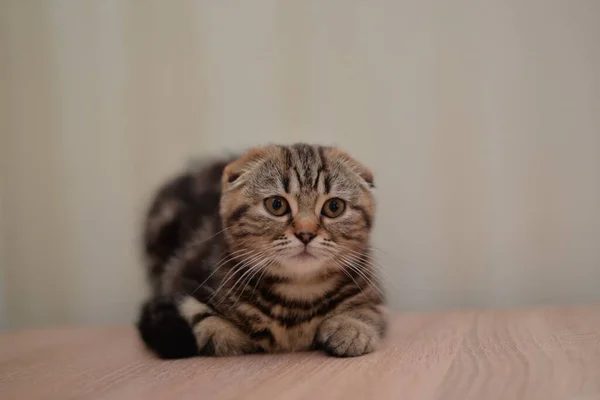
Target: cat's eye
[333,208]
[277,205]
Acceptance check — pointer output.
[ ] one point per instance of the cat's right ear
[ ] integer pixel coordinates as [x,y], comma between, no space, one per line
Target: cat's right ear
[353,165]
[234,172]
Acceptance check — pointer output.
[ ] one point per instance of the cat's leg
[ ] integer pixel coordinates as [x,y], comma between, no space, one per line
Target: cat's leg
[186,328]
[214,335]
[351,333]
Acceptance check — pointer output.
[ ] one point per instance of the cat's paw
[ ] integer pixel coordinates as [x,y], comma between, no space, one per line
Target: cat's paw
[344,336]
[216,336]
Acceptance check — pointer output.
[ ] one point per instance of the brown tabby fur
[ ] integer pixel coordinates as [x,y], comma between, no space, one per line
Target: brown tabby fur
[229,278]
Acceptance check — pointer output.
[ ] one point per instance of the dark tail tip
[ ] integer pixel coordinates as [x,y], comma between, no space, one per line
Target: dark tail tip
[164,331]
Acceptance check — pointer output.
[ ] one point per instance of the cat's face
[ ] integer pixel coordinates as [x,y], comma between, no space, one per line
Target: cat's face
[297,210]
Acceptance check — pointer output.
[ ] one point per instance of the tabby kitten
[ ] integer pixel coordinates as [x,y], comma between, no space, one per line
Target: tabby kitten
[266,253]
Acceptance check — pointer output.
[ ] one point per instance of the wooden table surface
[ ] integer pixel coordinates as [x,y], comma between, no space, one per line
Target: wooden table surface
[550,353]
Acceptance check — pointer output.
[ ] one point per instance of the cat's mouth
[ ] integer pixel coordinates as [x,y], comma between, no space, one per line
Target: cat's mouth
[304,255]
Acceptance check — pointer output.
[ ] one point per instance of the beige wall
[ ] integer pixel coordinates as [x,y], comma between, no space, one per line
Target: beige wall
[480,119]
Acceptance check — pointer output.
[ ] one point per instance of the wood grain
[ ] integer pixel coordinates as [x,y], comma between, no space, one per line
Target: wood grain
[551,353]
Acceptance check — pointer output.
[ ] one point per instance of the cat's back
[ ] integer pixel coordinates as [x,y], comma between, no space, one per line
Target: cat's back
[183,207]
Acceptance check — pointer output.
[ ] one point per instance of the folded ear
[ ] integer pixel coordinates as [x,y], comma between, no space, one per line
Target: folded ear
[358,168]
[233,173]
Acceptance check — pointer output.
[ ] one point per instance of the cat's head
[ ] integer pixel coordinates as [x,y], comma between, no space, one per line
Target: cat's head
[297,210]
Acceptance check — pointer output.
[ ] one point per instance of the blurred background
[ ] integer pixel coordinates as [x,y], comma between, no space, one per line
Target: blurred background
[481,121]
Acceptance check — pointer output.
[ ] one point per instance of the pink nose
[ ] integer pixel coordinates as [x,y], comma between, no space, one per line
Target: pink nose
[305,237]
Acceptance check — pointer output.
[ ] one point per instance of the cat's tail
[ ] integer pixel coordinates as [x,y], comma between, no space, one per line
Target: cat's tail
[165,331]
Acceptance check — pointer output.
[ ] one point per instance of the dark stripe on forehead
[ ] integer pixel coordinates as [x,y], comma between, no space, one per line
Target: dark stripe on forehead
[290,164]
[285,181]
[312,165]
[297,175]
[327,182]
[307,161]
[322,158]
[324,170]
[288,161]
[311,155]
[316,182]
[321,169]
[287,154]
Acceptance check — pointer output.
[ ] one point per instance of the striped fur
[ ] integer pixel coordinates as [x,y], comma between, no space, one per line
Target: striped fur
[229,277]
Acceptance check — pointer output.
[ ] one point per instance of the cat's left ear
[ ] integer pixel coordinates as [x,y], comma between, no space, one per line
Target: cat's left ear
[233,174]
[358,168]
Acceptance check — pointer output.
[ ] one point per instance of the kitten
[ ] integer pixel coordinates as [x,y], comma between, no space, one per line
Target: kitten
[265,253]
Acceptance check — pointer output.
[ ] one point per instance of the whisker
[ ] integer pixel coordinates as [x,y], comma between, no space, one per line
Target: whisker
[362,262]
[356,269]
[231,273]
[376,264]
[221,263]
[359,258]
[254,259]
[275,260]
[260,267]
[180,252]
[232,255]
[247,275]
[368,266]
[341,268]
[211,236]
[362,254]
[393,256]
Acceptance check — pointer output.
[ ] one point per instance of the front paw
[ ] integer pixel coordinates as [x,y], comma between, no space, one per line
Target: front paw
[216,336]
[344,336]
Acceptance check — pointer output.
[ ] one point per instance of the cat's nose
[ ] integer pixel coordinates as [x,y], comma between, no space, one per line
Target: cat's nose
[305,237]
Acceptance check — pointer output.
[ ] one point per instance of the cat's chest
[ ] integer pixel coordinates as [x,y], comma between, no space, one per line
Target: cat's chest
[293,338]
[294,320]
